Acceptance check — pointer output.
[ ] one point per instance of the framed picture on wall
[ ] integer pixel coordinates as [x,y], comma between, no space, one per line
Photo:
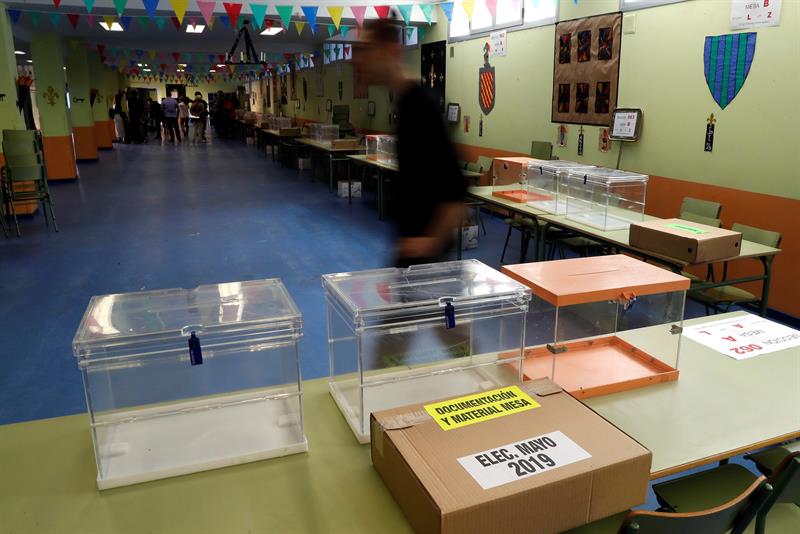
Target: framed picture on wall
[329,105]
[371,108]
[296,104]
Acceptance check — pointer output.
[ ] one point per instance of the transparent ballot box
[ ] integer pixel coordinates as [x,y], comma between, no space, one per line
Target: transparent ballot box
[276,123]
[606,199]
[382,148]
[185,380]
[602,324]
[547,184]
[323,132]
[510,178]
[390,343]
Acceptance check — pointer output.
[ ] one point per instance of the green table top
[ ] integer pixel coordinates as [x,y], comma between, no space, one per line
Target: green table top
[362,158]
[326,145]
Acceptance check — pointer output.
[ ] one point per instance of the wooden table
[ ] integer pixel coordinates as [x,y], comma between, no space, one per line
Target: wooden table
[275,136]
[334,155]
[619,239]
[718,407]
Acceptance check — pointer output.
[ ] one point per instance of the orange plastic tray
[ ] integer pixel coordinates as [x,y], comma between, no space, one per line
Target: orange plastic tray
[598,367]
[514,195]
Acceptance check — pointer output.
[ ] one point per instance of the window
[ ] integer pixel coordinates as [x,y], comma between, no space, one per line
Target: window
[630,5]
[540,12]
[513,14]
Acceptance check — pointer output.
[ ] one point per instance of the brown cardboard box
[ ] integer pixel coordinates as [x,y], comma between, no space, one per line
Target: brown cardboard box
[426,467]
[510,170]
[346,143]
[685,240]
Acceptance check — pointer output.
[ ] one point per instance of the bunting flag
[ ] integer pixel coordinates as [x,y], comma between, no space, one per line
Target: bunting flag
[225,21]
[150,6]
[89,5]
[405,12]
[176,22]
[259,12]
[358,14]
[382,11]
[427,11]
[35,18]
[335,13]
[331,30]
[73,19]
[176,56]
[233,11]
[139,53]
[211,58]
[126,22]
[491,5]
[311,16]
[207,9]
[91,20]
[210,22]
[143,22]
[152,54]
[120,6]
[57,3]
[14,15]
[420,34]
[179,7]
[299,25]
[285,13]
[343,30]
[468,6]
[55,19]
[102,47]
[447,9]
[160,21]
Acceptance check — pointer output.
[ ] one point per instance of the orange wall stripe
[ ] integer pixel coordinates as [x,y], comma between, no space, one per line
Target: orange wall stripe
[59,157]
[85,143]
[102,134]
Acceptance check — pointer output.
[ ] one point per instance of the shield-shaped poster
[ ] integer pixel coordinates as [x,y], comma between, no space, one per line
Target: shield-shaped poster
[727,60]
[486,90]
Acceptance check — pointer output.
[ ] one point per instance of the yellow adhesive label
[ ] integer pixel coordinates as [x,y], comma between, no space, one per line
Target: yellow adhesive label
[471,409]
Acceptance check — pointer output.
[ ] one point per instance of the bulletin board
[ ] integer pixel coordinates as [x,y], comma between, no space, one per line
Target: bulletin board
[586,70]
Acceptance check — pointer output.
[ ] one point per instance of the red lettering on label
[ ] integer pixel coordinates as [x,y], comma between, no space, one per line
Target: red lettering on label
[766,3]
[730,338]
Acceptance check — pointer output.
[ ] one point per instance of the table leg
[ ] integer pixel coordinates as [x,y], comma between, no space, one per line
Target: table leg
[330,170]
[349,183]
[380,194]
[460,239]
[765,286]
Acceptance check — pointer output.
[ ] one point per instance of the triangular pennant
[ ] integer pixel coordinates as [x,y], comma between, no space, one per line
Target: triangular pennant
[285,12]
[151,54]
[102,47]
[179,7]
[210,22]
[57,3]
[335,13]
[211,58]
[259,11]
[143,22]
[491,5]
[139,53]
[73,19]
[55,19]
[225,21]
[405,12]
[299,25]
[311,16]
[331,30]
[233,11]
[420,34]
[176,56]
[427,11]
[150,6]
[176,22]
[468,6]
[89,5]
[126,22]
[447,9]
[120,6]
[160,21]
[221,58]
[91,20]
[382,11]
[35,17]
[358,14]
[206,8]
[14,15]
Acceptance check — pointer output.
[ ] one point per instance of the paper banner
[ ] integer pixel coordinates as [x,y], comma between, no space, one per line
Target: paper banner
[259,11]
[335,13]
[233,11]
[55,19]
[427,11]
[179,7]
[331,30]
[447,9]
[382,11]
[358,14]
[285,12]
[405,12]
[176,56]
[73,19]
[311,16]
[14,15]
[299,25]
[469,6]
[143,22]
[420,34]
[126,22]
[176,22]
[35,18]
[56,3]
[120,6]
[206,9]
[210,22]
[90,20]
[150,6]
[225,21]
[211,58]
[344,29]
[89,5]
[160,21]
[151,54]
[491,5]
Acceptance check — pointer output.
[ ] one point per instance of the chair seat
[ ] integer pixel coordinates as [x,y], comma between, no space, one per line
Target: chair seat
[704,490]
[722,294]
[580,242]
[609,525]
[783,518]
[26,173]
[768,460]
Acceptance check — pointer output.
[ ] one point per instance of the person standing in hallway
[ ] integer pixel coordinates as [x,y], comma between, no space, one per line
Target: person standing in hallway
[203,116]
[155,118]
[197,114]
[183,116]
[169,107]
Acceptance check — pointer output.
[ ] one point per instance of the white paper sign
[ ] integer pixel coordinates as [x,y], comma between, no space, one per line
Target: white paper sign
[522,459]
[755,13]
[624,124]
[744,337]
[497,42]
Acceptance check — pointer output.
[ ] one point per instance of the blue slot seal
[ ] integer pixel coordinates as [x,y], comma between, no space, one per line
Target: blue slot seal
[195,351]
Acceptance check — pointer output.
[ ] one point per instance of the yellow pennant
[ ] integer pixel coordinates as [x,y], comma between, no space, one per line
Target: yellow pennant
[152,54]
[336,15]
[299,25]
[109,20]
[468,5]
[179,7]
[211,21]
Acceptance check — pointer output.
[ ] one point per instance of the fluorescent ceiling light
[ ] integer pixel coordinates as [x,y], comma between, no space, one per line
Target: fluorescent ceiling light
[220,65]
[212,70]
[19,52]
[197,28]
[29,60]
[275,30]
[115,27]
[146,70]
[139,64]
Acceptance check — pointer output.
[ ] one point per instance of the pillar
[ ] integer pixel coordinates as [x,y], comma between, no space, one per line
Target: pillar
[103,125]
[80,112]
[48,70]
[10,118]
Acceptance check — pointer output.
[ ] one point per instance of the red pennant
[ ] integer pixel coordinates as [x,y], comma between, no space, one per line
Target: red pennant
[176,23]
[233,11]
[269,23]
[163,66]
[176,56]
[221,58]
[73,19]
[382,11]
[56,3]
[100,48]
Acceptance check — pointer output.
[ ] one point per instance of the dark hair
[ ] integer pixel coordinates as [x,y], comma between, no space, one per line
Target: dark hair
[384,31]
[198,93]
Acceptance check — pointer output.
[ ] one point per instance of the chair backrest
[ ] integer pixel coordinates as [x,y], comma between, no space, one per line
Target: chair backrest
[705,208]
[22,159]
[341,113]
[26,173]
[541,150]
[757,235]
[484,163]
[785,480]
[708,221]
[734,515]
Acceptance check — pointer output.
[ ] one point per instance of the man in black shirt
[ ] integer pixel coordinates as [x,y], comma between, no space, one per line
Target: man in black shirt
[430,187]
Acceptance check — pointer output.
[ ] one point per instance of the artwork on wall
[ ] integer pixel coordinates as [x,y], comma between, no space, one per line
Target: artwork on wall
[727,60]
[293,76]
[320,80]
[709,143]
[432,69]
[486,83]
[284,91]
[604,142]
[586,70]
[561,135]
[267,95]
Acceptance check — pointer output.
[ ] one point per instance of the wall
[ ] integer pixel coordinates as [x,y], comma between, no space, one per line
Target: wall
[203,87]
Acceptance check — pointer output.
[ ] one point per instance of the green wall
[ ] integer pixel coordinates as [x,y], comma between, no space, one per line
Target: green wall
[79,84]
[50,82]
[9,115]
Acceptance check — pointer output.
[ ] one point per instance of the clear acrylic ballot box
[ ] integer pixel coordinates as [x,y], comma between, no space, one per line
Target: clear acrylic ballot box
[606,199]
[382,148]
[400,336]
[185,380]
[602,324]
[547,184]
[277,123]
[323,132]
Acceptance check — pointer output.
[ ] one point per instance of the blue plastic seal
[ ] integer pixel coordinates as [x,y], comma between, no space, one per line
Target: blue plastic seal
[195,351]
[449,316]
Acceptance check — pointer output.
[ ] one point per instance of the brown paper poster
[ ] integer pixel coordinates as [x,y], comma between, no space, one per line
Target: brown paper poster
[586,70]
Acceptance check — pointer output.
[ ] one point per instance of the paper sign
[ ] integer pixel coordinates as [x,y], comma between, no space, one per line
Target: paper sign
[497,43]
[624,124]
[471,409]
[687,228]
[522,459]
[744,337]
[755,13]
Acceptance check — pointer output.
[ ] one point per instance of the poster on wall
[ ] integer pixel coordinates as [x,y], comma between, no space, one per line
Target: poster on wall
[319,78]
[293,76]
[284,91]
[755,13]
[727,60]
[498,42]
[586,70]
[432,66]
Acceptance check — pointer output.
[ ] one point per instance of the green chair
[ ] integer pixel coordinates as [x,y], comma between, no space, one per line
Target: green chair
[542,150]
[25,163]
[723,297]
[3,207]
[341,115]
[704,208]
[733,515]
[767,460]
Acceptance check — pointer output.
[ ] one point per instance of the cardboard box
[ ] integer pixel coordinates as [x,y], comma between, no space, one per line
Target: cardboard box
[352,144]
[508,171]
[531,469]
[685,240]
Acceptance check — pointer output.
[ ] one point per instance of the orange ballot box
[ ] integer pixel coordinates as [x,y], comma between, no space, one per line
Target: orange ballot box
[592,322]
[510,178]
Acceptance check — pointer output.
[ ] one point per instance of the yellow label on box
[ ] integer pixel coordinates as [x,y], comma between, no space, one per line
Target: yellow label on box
[471,409]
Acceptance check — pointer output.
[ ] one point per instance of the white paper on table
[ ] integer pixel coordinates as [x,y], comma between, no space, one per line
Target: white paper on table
[744,336]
